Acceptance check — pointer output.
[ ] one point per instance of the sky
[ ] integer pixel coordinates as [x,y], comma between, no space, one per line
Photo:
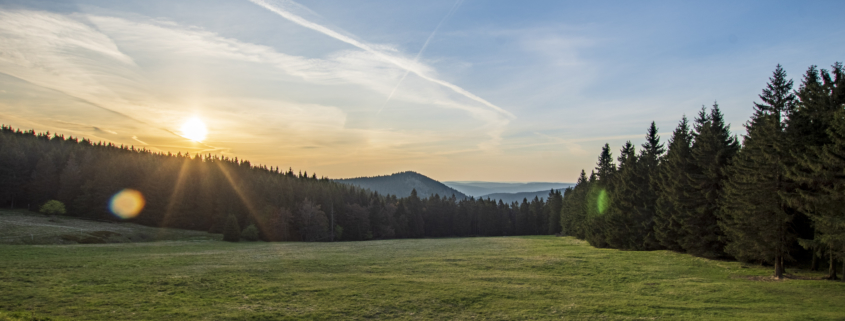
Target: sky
[466,90]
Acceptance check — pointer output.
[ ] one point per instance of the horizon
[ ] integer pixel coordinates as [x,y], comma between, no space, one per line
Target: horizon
[463,91]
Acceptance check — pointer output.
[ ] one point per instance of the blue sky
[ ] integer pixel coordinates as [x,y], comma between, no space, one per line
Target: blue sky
[503,90]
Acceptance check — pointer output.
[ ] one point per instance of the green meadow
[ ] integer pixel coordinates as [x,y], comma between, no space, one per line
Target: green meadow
[499,278]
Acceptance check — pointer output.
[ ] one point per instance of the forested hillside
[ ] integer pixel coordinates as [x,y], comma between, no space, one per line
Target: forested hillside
[212,193]
[401,185]
[777,198]
[482,189]
[518,197]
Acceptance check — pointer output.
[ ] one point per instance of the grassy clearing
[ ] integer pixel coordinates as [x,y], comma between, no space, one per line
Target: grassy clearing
[24,227]
[462,278]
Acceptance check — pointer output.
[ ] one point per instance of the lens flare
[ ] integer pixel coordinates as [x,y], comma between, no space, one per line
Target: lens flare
[603,201]
[127,203]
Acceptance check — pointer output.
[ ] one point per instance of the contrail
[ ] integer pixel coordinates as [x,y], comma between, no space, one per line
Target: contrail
[331,33]
[417,58]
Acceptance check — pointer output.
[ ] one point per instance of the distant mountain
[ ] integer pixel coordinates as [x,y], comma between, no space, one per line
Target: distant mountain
[518,197]
[478,189]
[401,184]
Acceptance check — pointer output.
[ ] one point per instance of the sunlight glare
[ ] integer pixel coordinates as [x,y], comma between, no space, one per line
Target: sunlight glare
[127,203]
[194,129]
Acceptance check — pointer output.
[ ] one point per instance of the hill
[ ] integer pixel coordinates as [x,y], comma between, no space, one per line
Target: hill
[482,189]
[25,227]
[401,184]
[518,197]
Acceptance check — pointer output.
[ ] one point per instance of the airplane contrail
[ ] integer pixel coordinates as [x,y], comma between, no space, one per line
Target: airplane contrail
[417,58]
[334,34]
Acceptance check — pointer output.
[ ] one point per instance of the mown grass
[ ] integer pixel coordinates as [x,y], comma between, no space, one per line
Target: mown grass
[506,278]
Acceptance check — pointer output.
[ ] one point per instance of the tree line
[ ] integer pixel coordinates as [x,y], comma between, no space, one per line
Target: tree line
[209,193]
[776,197]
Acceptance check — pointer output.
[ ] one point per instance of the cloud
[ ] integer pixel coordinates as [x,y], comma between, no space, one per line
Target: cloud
[138,140]
[106,131]
[258,102]
[417,58]
[398,61]
[340,68]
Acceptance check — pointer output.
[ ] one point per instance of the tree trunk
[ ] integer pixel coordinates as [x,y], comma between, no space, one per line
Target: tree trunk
[831,271]
[779,267]
[814,266]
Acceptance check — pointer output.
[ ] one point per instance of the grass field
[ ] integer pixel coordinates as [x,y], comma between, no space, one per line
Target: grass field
[461,278]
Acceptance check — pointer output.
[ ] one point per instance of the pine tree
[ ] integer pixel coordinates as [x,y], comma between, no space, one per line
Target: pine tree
[597,201]
[605,168]
[648,169]
[755,219]
[540,217]
[526,222]
[619,220]
[416,225]
[555,203]
[712,149]
[673,184]
[573,213]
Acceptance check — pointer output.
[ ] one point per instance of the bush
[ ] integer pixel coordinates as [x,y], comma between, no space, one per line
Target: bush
[53,207]
[232,231]
[250,233]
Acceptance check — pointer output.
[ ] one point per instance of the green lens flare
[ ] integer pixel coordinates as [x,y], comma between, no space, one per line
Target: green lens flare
[603,201]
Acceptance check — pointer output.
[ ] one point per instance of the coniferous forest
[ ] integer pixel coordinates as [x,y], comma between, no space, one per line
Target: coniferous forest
[774,197]
[207,193]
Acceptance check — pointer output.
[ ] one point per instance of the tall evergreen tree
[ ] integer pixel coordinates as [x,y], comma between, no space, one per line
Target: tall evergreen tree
[620,222]
[712,149]
[754,217]
[673,184]
[598,200]
[573,214]
[648,171]
[605,168]
[814,128]
[555,203]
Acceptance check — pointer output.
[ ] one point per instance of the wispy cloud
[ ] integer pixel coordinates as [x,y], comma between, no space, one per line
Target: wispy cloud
[400,62]
[146,76]
[138,140]
[417,58]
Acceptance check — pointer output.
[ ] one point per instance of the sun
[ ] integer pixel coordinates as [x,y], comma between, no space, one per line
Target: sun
[194,129]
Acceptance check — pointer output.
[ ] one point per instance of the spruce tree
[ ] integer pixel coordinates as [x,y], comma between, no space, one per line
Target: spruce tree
[673,184]
[573,213]
[648,173]
[712,149]
[816,127]
[598,200]
[619,230]
[754,217]
[605,168]
[554,204]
